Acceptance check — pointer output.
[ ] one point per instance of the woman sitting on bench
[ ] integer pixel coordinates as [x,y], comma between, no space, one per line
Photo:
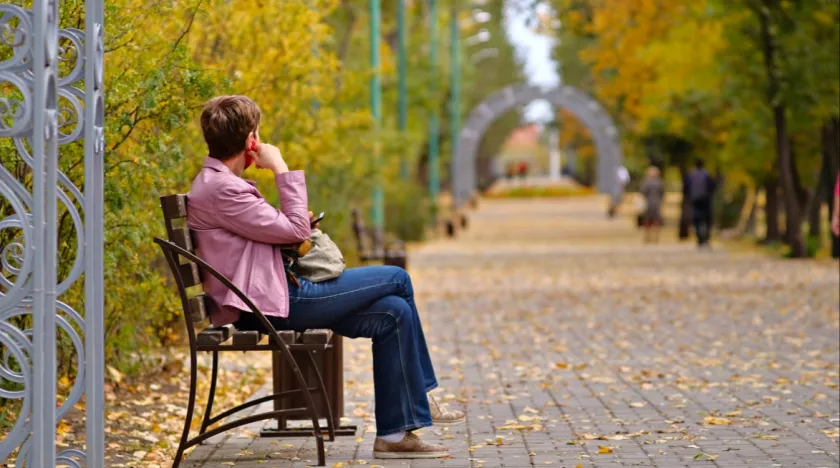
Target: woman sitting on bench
[237,230]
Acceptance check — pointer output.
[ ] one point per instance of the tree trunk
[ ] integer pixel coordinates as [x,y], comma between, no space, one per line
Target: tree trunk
[771,210]
[346,38]
[831,161]
[814,206]
[777,104]
[790,197]
[824,182]
[751,220]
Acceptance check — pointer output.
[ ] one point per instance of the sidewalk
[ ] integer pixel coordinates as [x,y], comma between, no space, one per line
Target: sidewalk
[569,343]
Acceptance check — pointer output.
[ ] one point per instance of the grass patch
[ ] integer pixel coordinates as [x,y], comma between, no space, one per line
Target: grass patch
[541,192]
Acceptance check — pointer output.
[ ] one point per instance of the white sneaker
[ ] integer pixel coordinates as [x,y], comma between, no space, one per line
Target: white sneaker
[443,416]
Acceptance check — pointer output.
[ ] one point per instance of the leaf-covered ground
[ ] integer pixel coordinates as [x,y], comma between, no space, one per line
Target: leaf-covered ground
[570,343]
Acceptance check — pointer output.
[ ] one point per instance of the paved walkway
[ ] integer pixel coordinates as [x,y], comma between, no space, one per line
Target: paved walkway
[571,344]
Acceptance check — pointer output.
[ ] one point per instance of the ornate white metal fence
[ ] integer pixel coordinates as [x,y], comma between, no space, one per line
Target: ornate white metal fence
[51,95]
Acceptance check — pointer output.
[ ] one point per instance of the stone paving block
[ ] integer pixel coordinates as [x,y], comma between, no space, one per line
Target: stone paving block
[586,333]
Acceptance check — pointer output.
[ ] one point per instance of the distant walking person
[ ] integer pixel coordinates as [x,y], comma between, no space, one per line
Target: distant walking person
[622,178]
[699,188]
[653,189]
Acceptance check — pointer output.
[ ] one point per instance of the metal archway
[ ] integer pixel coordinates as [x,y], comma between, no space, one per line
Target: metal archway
[586,109]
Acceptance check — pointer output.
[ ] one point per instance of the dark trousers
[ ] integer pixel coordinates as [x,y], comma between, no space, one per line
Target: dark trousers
[701,214]
[371,302]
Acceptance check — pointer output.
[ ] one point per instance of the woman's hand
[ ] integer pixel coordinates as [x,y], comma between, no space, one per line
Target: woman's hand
[311,218]
[269,157]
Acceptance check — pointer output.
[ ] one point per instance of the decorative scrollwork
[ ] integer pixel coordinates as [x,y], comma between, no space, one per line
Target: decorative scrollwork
[70,45]
[63,118]
[15,27]
[15,107]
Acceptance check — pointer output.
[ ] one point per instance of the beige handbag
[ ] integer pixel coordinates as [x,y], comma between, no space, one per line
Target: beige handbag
[322,262]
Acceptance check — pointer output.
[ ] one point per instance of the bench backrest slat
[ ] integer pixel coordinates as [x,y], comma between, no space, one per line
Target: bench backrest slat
[174,209]
[182,238]
[198,308]
[174,206]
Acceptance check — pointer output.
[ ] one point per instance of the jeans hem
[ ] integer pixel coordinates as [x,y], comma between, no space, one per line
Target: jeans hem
[408,428]
[432,387]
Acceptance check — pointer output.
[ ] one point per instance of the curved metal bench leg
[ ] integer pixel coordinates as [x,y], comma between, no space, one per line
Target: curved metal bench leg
[313,411]
[307,395]
[323,391]
[209,409]
[319,443]
[190,408]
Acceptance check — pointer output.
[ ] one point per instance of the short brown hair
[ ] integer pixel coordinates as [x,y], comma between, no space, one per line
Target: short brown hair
[226,122]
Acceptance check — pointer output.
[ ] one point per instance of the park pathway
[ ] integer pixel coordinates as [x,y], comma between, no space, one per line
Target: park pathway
[569,343]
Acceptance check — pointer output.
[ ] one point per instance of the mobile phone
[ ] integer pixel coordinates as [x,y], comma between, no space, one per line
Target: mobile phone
[317,220]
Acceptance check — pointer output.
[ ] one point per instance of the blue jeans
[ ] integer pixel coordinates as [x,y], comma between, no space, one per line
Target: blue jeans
[372,302]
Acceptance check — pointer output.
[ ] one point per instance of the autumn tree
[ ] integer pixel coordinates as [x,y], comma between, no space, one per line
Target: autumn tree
[751,86]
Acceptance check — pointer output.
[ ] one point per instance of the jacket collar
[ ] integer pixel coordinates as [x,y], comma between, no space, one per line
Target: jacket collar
[215,165]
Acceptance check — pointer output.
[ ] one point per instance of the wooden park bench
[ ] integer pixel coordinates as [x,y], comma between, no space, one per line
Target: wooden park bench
[297,357]
[371,247]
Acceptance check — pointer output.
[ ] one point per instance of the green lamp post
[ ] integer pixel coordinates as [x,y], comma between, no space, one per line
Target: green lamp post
[402,97]
[434,122]
[378,210]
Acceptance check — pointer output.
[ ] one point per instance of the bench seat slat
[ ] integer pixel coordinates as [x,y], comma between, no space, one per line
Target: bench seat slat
[213,336]
[246,337]
[316,336]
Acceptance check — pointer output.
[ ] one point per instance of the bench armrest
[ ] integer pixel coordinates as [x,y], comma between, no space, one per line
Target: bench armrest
[171,250]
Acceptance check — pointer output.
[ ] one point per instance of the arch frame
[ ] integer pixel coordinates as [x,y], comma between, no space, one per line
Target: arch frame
[585,108]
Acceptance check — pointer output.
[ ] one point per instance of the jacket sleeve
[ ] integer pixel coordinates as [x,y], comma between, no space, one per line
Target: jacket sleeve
[243,212]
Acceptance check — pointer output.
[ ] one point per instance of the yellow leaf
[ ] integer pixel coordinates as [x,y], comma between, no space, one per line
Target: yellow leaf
[602,449]
[561,365]
[63,428]
[116,375]
[713,421]
[733,414]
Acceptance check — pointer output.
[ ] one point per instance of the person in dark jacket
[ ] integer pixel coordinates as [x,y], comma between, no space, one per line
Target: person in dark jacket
[699,187]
